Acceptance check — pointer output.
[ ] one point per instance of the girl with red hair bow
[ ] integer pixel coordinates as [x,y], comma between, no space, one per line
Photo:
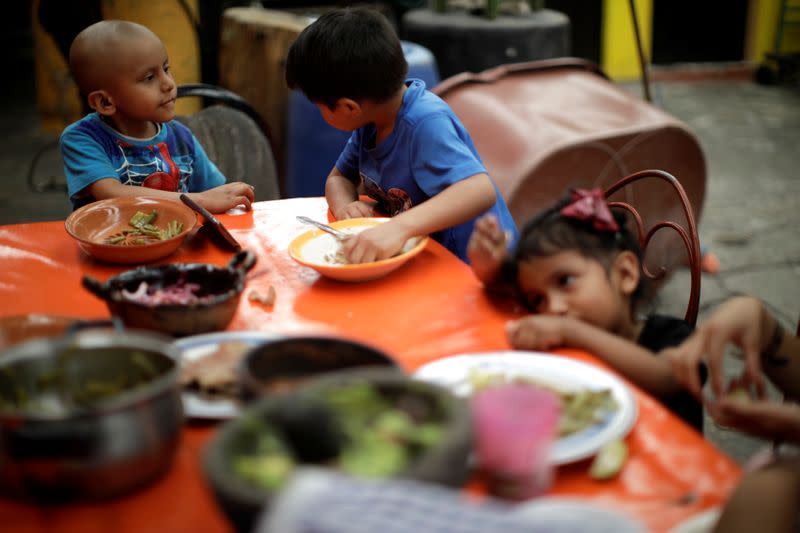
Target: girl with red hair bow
[578,270]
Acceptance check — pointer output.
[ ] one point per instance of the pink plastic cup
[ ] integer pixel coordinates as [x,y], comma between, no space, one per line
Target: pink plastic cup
[515,427]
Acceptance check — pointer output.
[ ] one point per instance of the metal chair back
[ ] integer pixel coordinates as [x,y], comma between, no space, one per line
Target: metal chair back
[646,230]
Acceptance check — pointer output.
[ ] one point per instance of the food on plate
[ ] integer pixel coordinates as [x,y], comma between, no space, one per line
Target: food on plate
[267,299]
[215,373]
[334,251]
[580,408]
[354,428]
[609,460]
[336,257]
[144,231]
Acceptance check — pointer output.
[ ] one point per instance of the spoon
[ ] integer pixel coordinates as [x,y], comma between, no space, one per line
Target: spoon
[324,227]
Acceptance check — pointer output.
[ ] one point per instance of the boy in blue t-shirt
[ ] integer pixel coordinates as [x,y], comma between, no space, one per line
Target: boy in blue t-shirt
[131,140]
[408,151]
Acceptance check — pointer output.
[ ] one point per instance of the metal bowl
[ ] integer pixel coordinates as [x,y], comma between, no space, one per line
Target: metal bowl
[87,416]
[220,288]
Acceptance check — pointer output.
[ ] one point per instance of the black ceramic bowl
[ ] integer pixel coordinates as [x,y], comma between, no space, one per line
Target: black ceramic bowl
[283,364]
[219,287]
[444,462]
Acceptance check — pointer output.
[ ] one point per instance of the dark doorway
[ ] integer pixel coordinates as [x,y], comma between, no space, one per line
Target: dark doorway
[688,31]
[586,23]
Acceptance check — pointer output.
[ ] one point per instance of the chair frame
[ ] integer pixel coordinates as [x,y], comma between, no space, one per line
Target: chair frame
[228,97]
[689,236]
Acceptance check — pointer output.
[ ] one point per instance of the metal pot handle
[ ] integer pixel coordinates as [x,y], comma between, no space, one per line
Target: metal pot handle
[242,262]
[95,287]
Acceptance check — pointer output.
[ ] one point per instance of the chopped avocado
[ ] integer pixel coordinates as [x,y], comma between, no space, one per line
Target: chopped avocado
[265,471]
[609,460]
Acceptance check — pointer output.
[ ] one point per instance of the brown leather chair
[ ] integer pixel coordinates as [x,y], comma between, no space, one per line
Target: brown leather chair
[542,127]
[623,195]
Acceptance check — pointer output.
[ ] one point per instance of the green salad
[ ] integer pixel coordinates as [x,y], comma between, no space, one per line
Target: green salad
[377,439]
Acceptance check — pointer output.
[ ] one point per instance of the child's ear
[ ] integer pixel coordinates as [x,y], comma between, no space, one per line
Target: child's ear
[350,107]
[102,102]
[627,272]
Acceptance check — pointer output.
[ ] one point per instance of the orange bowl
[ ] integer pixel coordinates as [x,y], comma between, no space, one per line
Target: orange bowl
[310,248]
[92,224]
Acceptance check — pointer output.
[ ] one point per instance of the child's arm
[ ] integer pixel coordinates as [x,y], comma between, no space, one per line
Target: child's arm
[216,200]
[766,500]
[454,205]
[641,366]
[745,322]
[342,197]
[487,249]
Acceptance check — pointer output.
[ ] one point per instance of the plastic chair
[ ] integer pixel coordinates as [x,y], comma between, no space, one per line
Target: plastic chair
[235,138]
[626,189]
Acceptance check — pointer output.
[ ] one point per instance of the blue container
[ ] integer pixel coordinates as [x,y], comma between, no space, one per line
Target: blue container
[421,63]
[313,146]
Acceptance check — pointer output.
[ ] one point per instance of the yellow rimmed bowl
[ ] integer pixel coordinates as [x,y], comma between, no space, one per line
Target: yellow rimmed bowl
[311,248]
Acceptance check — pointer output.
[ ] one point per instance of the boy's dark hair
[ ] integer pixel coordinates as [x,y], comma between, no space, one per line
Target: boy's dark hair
[347,53]
[549,233]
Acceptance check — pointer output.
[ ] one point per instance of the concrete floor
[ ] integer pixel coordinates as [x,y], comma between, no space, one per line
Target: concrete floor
[750,137]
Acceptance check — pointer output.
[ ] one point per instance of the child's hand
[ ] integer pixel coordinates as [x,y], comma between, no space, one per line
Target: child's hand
[487,248]
[379,242]
[738,321]
[220,199]
[355,209]
[765,419]
[536,332]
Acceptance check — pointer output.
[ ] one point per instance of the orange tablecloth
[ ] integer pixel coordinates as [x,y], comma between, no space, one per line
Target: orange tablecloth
[430,308]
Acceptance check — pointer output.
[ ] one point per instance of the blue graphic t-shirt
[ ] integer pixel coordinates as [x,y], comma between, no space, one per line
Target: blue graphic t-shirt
[428,150]
[171,160]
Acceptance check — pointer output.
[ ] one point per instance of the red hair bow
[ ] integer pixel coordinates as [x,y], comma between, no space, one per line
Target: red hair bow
[591,205]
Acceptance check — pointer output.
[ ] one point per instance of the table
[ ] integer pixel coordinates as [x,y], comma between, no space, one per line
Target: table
[429,308]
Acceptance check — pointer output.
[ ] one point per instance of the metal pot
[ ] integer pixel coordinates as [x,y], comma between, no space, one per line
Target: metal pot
[221,288]
[90,415]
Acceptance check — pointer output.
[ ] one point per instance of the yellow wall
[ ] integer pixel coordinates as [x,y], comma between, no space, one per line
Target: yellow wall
[168,20]
[620,57]
[57,96]
[763,19]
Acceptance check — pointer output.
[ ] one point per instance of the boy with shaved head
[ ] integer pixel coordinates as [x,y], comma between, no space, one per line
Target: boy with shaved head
[131,140]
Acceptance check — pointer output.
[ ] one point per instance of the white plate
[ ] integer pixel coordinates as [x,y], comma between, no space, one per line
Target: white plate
[560,372]
[700,523]
[572,515]
[199,346]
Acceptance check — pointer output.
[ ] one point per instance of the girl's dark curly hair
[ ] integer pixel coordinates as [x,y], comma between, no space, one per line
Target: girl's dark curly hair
[549,233]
